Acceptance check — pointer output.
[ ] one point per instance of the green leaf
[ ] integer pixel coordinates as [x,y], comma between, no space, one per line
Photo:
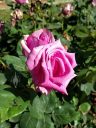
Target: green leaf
[65,114]
[50,100]
[87,88]
[10,105]
[5,14]
[39,112]
[3,114]
[6,99]
[82,72]
[55,25]
[18,108]
[84,108]
[93,34]
[57,2]
[37,109]
[27,121]
[15,62]
[81,31]
[19,51]
[41,105]
[2,79]
[45,123]
[4,86]
[92,68]
[17,126]
[5,125]
[75,100]
[14,30]
[15,119]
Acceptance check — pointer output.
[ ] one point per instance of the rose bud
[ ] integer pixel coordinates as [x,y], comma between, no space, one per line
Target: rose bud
[94,2]
[67,9]
[49,63]
[13,22]
[37,38]
[22,1]
[31,10]
[17,14]
[1,26]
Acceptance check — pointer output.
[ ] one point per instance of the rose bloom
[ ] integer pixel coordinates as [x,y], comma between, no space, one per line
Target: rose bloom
[94,2]
[22,1]
[49,63]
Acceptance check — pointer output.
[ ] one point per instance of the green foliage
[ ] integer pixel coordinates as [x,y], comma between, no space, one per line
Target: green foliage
[2,79]
[84,108]
[38,115]
[5,15]
[4,125]
[87,88]
[20,105]
[10,105]
[15,62]
[65,114]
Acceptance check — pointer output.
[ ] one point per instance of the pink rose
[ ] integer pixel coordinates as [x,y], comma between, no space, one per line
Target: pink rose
[50,65]
[94,2]
[22,1]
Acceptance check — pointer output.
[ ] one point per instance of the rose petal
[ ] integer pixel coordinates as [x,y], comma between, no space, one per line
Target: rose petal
[44,90]
[44,35]
[71,58]
[94,3]
[58,67]
[32,42]
[38,66]
[26,50]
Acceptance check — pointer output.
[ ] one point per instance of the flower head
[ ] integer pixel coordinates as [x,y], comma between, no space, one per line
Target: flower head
[50,65]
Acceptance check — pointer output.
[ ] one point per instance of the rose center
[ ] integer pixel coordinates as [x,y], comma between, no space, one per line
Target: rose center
[57,67]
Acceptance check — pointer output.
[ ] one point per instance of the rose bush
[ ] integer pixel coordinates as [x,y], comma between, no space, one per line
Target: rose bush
[50,65]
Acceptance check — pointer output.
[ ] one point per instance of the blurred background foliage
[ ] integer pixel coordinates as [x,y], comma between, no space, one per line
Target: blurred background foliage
[20,105]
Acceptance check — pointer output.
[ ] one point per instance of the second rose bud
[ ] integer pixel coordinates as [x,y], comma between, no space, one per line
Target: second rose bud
[16,15]
[67,9]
